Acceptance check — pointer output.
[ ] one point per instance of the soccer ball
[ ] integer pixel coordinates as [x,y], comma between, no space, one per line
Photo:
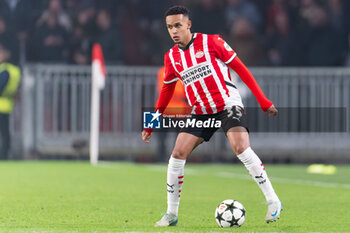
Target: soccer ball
[230,213]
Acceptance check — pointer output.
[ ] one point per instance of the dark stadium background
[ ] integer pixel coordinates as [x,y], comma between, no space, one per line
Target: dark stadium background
[132,32]
[298,50]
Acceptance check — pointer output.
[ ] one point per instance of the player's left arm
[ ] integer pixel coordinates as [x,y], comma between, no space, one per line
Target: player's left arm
[267,106]
[226,54]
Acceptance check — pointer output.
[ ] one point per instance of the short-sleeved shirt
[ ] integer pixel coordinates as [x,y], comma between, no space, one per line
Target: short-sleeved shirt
[202,68]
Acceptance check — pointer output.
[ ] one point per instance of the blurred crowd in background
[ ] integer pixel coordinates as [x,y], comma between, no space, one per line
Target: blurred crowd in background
[133,32]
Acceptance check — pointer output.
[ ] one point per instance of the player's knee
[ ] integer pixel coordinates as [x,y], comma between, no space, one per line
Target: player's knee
[240,148]
[178,154]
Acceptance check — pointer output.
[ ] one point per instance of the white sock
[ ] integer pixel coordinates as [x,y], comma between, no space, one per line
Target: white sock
[176,168]
[257,171]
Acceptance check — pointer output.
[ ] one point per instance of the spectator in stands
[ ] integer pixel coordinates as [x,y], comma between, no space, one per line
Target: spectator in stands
[85,18]
[55,7]
[8,39]
[283,45]
[306,10]
[8,27]
[50,41]
[134,36]
[138,24]
[246,43]
[71,7]
[114,6]
[157,38]
[321,39]
[208,17]
[107,34]
[337,18]
[243,8]
[20,16]
[84,29]
[275,8]
[79,47]
[336,14]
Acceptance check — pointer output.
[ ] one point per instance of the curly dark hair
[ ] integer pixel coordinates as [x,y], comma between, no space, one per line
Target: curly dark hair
[177,10]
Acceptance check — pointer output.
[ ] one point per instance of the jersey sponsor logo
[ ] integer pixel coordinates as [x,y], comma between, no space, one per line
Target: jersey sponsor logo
[201,70]
[199,54]
[227,47]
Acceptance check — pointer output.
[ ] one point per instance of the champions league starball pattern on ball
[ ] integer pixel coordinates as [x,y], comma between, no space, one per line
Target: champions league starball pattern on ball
[230,213]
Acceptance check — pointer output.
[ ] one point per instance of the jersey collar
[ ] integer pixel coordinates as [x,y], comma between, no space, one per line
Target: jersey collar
[189,43]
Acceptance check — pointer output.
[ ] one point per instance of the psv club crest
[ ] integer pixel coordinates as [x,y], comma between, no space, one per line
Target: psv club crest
[199,54]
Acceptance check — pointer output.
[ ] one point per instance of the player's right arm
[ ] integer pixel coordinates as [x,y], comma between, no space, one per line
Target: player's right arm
[164,98]
[165,95]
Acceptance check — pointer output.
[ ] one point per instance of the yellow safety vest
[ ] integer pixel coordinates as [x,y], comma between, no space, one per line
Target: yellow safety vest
[7,95]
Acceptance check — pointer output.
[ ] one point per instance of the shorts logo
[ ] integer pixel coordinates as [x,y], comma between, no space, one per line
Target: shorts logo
[199,54]
[235,113]
[151,120]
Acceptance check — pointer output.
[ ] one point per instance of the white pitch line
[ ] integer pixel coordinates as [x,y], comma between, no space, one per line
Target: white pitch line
[159,168]
[190,171]
[287,180]
[107,164]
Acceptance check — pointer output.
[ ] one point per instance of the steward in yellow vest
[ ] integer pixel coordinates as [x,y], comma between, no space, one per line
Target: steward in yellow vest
[9,79]
[10,76]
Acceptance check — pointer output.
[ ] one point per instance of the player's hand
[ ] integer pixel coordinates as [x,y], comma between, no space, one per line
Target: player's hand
[272,111]
[146,136]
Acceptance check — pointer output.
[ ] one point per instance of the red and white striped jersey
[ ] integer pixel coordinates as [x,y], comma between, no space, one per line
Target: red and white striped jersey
[202,68]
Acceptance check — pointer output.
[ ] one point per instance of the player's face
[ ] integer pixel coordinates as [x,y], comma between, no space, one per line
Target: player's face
[179,29]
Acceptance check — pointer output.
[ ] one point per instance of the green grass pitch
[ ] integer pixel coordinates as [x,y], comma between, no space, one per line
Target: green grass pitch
[126,197]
